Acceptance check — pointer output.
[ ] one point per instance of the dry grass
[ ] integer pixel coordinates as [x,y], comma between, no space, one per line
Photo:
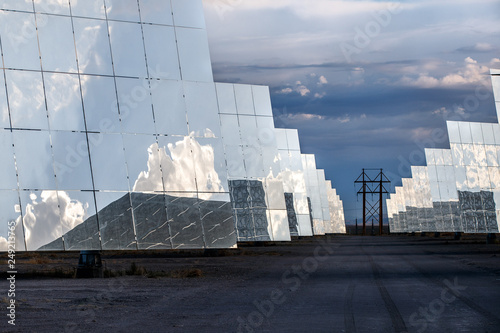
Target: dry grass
[186,273]
[58,272]
[135,270]
[53,273]
[37,259]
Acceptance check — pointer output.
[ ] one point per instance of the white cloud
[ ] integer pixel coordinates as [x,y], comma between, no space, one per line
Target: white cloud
[470,73]
[441,111]
[303,90]
[345,119]
[483,47]
[3,244]
[48,216]
[322,80]
[302,87]
[299,88]
[421,133]
[304,116]
[495,62]
[285,91]
[175,172]
[458,110]
[423,81]
[309,116]
[461,111]
[478,47]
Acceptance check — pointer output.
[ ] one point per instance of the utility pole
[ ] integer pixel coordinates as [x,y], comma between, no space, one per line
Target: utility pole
[381,210]
[374,186]
[364,203]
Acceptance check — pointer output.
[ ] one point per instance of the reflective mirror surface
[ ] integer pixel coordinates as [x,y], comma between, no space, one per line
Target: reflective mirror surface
[177,164]
[57,44]
[169,107]
[143,163]
[60,7]
[226,98]
[156,11]
[161,52]
[34,160]
[88,8]
[10,215]
[244,99]
[128,48]
[262,101]
[79,221]
[194,55]
[20,50]
[41,220]
[27,106]
[26,5]
[135,105]
[4,109]
[64,102]
[202,111]
[71,161]
[116,226]
[8,177]
[92,46]
[123,10]
[101,106]
[188,13]
[108,162]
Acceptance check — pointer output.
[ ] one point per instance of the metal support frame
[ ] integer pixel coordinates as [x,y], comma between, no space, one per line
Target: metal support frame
[375,187]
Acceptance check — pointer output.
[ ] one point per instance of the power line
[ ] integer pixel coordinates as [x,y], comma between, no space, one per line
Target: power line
[373,186]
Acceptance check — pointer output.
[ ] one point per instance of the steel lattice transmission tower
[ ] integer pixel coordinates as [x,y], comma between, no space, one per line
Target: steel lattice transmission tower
[372,184]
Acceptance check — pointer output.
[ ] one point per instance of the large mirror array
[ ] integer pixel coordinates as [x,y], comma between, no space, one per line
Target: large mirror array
[113,134]
[299,189]
[459,189]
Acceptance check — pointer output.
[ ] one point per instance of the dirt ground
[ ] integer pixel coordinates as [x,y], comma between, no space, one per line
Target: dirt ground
[323,284]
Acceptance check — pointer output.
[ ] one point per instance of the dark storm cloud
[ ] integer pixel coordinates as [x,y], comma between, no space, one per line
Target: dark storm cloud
[378,106]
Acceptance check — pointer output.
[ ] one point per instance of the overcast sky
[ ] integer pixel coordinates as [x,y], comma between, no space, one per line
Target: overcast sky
[368,84]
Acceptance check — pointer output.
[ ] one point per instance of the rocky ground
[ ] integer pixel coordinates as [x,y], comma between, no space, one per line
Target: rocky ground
[336,284]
